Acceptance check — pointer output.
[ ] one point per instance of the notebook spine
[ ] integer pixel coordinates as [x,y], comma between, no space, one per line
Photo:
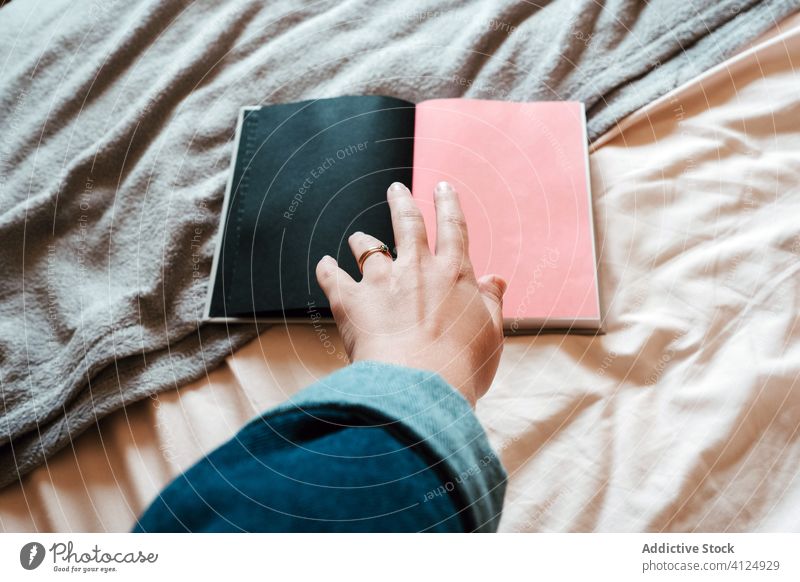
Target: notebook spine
[249,136]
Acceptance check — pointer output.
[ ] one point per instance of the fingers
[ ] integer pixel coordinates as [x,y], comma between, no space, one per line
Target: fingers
[376,263]
[409,228]
[492,288]
[333,281]
[451,228]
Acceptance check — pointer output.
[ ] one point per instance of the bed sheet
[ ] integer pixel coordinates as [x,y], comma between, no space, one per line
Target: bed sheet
[685,416]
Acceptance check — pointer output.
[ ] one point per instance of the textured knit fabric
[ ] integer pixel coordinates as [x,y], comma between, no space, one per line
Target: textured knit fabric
[118,121]
[372,447]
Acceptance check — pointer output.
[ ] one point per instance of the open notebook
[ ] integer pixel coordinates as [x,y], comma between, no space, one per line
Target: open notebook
[306,175]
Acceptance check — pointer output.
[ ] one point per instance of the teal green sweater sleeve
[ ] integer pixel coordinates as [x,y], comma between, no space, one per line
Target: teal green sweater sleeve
[372,447]
[430,413]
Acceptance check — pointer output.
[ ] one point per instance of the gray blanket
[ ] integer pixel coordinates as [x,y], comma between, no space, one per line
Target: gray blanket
[117,122]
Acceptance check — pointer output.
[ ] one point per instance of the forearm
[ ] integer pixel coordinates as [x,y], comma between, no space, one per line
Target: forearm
[372,447]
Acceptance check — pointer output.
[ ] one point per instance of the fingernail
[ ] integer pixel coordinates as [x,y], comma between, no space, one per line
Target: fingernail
[326,259]
[503,284]
[443,188]
[398,188]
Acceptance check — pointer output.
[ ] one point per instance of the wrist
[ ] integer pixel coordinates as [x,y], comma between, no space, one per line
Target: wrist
[454,378]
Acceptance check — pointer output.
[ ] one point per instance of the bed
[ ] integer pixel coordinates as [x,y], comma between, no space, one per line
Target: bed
[685,416]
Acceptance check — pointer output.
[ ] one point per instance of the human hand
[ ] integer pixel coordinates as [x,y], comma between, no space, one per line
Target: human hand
[422,310]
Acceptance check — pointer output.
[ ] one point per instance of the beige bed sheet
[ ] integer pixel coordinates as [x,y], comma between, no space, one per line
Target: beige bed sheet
[684,417]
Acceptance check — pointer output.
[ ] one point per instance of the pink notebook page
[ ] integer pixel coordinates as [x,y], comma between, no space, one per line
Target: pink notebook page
[521,173]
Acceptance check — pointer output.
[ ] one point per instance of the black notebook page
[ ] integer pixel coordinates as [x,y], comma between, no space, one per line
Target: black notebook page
[307,175]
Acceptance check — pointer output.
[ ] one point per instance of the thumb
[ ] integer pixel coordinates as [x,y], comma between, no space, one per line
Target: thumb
[333,281]
[492,288]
